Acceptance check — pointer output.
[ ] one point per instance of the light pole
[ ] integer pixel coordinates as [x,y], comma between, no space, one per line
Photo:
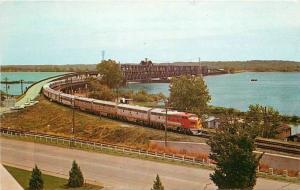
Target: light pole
[73,113]
[166,124]
[6,87]
[73,119]
[21,82]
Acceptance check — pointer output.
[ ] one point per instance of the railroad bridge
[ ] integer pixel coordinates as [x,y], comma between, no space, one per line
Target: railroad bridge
[147,71]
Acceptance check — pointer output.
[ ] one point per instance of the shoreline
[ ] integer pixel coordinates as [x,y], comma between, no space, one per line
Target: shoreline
[208,76]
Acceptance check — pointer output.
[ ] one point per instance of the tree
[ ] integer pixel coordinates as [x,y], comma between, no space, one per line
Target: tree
[294,119]
[75,176]
[104,93]
[157,184]
[232,149]
[188,93]
[99,91]
[263,120]
[36,181]
[111,73]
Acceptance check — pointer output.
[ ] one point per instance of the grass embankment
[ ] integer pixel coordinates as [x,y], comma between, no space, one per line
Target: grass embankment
[52,118]
[50,182]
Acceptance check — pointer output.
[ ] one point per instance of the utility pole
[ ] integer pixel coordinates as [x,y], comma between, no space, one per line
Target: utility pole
[21,81]
[73,119]
[266,123]
[166,124]
[6,87]
[73,112]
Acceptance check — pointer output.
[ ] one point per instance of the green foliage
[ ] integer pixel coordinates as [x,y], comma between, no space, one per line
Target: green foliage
[142,96]
[294,119]
[189,94]
[255,65]
[112,75]
[36,181]
[232,66]
[99,91]
[157,184]
[75,176]
[264,121]
[236,164]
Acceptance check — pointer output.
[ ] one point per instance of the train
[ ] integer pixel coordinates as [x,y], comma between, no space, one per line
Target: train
[159,118]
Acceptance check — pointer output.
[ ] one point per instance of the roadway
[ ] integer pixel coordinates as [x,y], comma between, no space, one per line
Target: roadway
[116,173]
[30,94]
[34,91]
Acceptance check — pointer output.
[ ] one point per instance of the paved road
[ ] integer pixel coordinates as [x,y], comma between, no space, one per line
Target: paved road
[33,91]
[116,173]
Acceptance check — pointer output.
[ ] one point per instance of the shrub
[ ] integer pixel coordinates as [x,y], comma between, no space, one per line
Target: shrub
[36,181]
[75,176]
[157,184]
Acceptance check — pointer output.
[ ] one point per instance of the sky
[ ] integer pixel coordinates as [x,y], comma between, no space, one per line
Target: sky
[70,32]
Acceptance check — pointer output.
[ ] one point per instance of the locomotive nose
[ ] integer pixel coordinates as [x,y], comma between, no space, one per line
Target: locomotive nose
[196,122]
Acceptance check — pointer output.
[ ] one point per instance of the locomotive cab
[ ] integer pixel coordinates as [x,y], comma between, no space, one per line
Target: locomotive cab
[187,121]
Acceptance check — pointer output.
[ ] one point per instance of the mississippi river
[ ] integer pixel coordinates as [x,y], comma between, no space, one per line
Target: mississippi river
[277,89]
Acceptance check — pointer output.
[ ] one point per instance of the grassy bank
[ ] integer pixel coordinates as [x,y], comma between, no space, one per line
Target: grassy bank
[50,182]
[52,118]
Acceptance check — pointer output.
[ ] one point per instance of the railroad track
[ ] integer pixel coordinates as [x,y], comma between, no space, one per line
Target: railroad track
[278,146]
[260,143]
[268,144]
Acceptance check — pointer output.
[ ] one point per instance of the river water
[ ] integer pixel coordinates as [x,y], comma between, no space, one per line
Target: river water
[15,89]
[277,89]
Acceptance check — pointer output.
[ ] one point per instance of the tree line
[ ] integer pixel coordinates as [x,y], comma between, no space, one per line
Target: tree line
[231,66]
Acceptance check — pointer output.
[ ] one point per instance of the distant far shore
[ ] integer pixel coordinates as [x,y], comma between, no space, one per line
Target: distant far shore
[229,66]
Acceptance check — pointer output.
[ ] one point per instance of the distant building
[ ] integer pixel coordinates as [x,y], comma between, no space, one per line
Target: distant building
[212,122]
[295,138]
[284,131]
[125,100]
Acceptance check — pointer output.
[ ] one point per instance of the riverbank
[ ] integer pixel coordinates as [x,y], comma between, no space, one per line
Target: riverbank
[233,66]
